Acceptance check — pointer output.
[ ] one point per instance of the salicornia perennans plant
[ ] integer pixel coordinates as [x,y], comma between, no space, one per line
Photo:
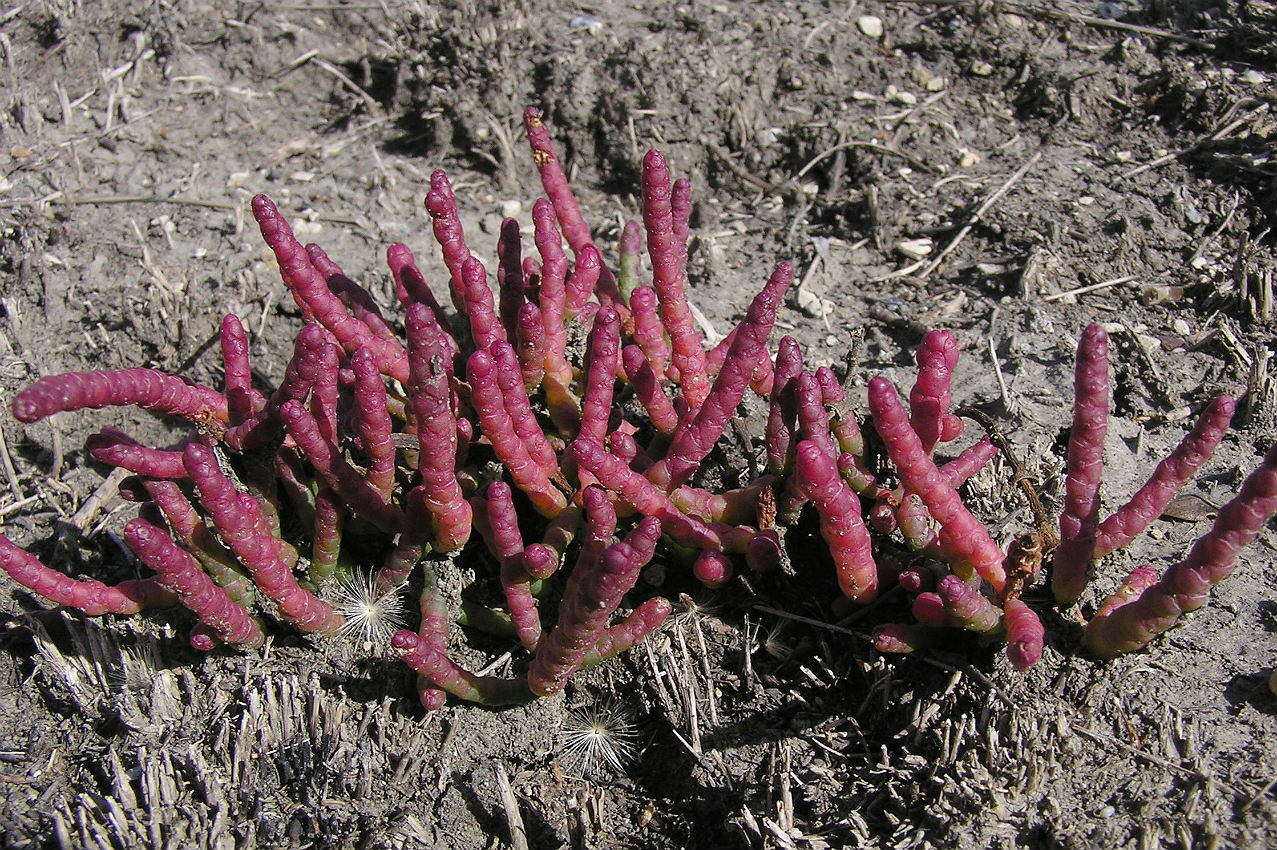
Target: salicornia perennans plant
[475,428]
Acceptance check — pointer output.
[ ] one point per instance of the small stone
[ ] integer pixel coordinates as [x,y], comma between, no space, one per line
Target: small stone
[967,157]
[1181,327]
[980,68]
[870,25]
[937,84]
[511,209]
[832,341]
[904,98]
[915,249]
[1253,78]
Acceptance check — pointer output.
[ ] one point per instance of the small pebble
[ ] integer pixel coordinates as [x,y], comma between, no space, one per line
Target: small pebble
[905,98]
[980,68]
[870,25]
[832,341]
[915,249]
[1253,77]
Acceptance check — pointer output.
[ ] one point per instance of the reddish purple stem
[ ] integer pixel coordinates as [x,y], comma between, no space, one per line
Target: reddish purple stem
[145,388]
[181,574]
[971,545]
[1080,517]
[1171,474]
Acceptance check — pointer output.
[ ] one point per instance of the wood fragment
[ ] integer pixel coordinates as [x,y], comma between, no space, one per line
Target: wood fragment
[980,211]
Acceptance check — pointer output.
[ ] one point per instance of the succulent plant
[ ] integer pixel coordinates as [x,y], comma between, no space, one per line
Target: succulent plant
[392,450]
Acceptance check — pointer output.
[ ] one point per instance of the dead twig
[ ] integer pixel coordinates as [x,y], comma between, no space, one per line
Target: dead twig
[919,164]
[979,213]
[1106,23]
[1200,143]
[510,805]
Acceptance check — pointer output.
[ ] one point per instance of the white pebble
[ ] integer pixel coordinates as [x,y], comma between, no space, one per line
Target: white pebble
[870,25]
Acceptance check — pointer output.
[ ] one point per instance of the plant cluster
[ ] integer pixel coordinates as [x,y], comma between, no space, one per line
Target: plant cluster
[393,451]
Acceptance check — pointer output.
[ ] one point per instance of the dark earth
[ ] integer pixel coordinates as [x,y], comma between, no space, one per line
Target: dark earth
[1068,163]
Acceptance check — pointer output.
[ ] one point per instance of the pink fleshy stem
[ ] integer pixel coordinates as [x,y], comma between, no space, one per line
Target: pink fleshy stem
[357,300]
[311,350]
[348,482]
[627,634]
[600,525]
[515,399]
[311,290]
[681,210]
[566,210]
[1148,503]
[969,462]
[649,391]
[411,287]
[239,521]
[783,413]
[765,551]
[529,337]
[840,522]
[119,449]
[91,597]
[667,279]
[187,525]
[624,446]
[552,294]
[813,419]
[503,524]
[326,530]
[324,392]
[715,410]
[1137,581]
[1186,586]
[627,279]
[643,496]
[1079,518]
[511,284]
[497,426]
[967,606]
[439,671]
[485,326]
[902,638]
[973,547]
[930,398]
[373,421]
[585,611]
[915,523]
[181,574]
[1025,635]
[242,401]
[583,280]
[712,568]
[430,396]
[929,609]
[555,182]
[649,333]
[441,204]
[858,477]
[762,378]
[732,506]
[602,354]
[146,388]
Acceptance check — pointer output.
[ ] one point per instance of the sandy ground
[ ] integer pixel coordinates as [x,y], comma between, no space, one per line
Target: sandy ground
[1067,163]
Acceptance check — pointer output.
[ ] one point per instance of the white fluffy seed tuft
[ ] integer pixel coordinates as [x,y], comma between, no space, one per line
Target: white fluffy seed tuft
[371,613]
[603,733]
